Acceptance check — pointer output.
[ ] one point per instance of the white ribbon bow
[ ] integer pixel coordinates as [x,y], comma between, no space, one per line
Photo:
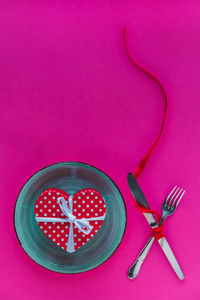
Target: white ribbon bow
[79,223]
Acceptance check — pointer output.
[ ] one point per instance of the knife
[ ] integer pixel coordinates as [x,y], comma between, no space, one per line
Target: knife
[135,268]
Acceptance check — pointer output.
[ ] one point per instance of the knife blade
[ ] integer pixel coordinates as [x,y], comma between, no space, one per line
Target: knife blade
[140,198]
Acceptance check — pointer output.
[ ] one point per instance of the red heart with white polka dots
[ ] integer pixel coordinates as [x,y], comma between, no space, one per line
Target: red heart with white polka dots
[70,221]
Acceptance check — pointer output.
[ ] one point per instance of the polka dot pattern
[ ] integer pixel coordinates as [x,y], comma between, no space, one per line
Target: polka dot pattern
[87,203]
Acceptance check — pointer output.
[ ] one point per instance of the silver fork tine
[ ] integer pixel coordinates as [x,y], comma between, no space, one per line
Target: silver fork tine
[168,197]
[181,196]
[174,200]
[172,197]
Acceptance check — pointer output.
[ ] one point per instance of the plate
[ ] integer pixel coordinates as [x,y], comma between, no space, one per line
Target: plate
[70,177]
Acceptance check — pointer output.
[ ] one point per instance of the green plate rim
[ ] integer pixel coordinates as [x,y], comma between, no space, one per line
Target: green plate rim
[112,181]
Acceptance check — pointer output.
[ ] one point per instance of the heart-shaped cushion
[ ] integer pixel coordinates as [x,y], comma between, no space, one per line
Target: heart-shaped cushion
[70,221]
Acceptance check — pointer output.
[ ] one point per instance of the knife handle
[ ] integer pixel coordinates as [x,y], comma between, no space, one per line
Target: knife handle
[135,268]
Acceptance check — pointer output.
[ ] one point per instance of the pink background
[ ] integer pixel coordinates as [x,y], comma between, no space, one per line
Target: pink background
[69,92]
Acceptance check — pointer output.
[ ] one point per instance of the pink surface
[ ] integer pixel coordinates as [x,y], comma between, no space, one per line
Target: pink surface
[64,73]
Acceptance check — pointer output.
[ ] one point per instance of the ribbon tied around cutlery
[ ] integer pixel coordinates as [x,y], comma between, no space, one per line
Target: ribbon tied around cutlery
[157,232]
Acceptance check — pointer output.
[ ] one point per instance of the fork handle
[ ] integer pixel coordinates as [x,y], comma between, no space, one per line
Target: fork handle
[135,268]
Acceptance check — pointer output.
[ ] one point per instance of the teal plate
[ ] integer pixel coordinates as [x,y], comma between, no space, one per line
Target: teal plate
[70,177]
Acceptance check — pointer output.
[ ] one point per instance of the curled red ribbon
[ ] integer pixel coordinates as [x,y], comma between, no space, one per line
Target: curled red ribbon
[158,231]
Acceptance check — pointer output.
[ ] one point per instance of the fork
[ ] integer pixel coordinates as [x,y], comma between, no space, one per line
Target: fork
[168,208]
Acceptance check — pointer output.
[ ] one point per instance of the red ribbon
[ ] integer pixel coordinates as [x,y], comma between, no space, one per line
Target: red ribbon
[158,231]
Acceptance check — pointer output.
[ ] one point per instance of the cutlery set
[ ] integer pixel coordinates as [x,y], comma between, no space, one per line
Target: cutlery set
[168,208]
